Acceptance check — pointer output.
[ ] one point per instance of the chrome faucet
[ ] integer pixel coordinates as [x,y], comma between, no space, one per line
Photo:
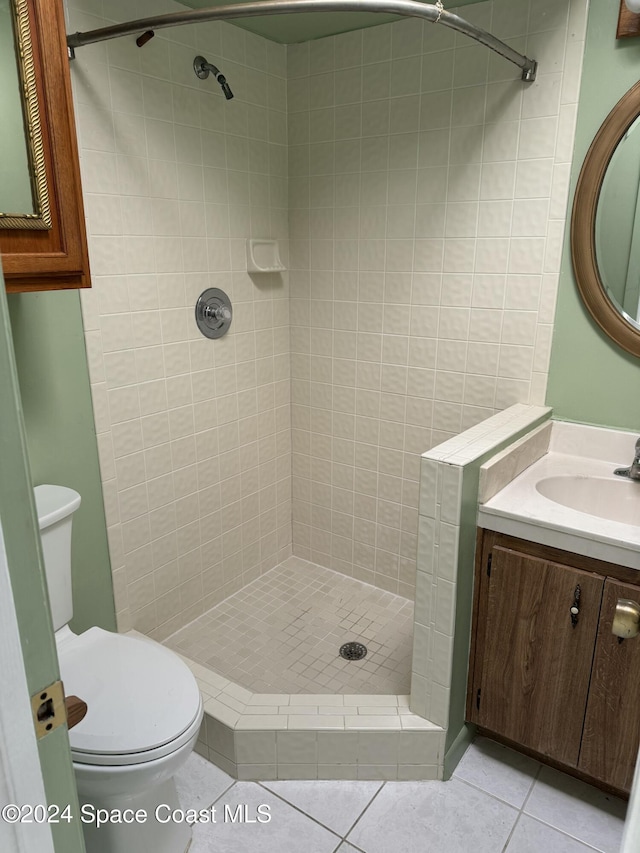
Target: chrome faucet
[633,471]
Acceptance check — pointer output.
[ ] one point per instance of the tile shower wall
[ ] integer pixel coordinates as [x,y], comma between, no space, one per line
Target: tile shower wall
[427,194]
[194,434]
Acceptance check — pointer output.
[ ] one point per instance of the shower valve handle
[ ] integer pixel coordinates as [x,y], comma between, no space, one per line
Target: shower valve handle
[217,312]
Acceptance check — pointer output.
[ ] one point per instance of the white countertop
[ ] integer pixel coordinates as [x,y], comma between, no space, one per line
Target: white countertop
[520,510]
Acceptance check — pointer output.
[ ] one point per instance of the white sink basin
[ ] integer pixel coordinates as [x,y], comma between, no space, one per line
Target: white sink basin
[570,499]
[615,500]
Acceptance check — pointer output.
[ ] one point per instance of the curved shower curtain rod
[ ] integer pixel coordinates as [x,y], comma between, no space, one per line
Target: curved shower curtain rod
[406,8]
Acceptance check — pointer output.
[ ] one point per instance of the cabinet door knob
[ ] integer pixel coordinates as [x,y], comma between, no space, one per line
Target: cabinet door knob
[574,610]
[626,621]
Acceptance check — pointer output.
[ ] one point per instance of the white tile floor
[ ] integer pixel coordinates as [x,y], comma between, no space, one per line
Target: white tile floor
[282,634]
[497,801]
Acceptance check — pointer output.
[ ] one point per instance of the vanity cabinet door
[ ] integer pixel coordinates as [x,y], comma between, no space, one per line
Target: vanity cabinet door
[534,663]
[612,725]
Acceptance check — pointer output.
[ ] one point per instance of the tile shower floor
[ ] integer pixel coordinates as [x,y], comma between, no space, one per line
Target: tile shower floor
[282,634]
[498,801]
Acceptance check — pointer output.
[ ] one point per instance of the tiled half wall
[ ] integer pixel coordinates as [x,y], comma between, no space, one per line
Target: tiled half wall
[449,491]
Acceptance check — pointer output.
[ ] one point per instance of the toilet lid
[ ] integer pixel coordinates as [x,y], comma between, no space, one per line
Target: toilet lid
[139,694]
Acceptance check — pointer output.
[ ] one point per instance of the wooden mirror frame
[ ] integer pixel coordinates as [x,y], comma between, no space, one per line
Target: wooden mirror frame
[56,257]
[583,223]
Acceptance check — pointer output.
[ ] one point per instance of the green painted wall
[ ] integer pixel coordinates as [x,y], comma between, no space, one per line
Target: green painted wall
[591,380]
[56,400]
[22,543]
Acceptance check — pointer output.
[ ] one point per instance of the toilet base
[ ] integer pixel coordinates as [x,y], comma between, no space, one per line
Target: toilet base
[151,836]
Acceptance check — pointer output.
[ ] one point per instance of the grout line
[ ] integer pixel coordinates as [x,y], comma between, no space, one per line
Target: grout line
[365,808]
[226,791]
[362,814]
[488,794]
[351,844]
[532,786]
[484,791]
[563,833]
[510,836]
[293,806]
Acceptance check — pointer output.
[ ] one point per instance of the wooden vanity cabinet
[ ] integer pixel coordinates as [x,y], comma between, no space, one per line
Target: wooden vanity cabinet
[55,258]
[611,732]
[557,683]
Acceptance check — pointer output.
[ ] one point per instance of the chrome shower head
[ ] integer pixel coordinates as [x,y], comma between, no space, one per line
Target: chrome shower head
[204,68]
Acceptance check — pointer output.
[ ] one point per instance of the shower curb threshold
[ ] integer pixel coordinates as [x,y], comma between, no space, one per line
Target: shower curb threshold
[266,736]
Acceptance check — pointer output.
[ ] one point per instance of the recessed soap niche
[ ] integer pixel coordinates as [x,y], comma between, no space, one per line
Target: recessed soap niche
[263,256]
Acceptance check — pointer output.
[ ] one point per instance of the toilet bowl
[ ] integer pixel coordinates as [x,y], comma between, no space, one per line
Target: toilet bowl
[143,718]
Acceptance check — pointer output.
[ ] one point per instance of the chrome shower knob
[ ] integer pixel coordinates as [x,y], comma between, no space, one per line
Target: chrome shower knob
[213,312]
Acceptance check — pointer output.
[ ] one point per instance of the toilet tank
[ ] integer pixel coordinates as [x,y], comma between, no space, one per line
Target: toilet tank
[55,506]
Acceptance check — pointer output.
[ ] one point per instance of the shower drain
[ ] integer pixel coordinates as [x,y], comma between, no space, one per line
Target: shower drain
[353,651]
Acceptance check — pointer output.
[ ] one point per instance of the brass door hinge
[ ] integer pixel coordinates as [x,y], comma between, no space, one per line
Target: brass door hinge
[48,709]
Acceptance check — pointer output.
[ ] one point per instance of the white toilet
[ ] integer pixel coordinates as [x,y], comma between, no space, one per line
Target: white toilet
[144,709]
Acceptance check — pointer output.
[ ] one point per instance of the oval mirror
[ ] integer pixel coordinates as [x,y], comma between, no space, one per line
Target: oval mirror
[605,225]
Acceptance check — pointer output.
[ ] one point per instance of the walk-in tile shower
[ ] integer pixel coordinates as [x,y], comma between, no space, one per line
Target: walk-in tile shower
[262,489]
